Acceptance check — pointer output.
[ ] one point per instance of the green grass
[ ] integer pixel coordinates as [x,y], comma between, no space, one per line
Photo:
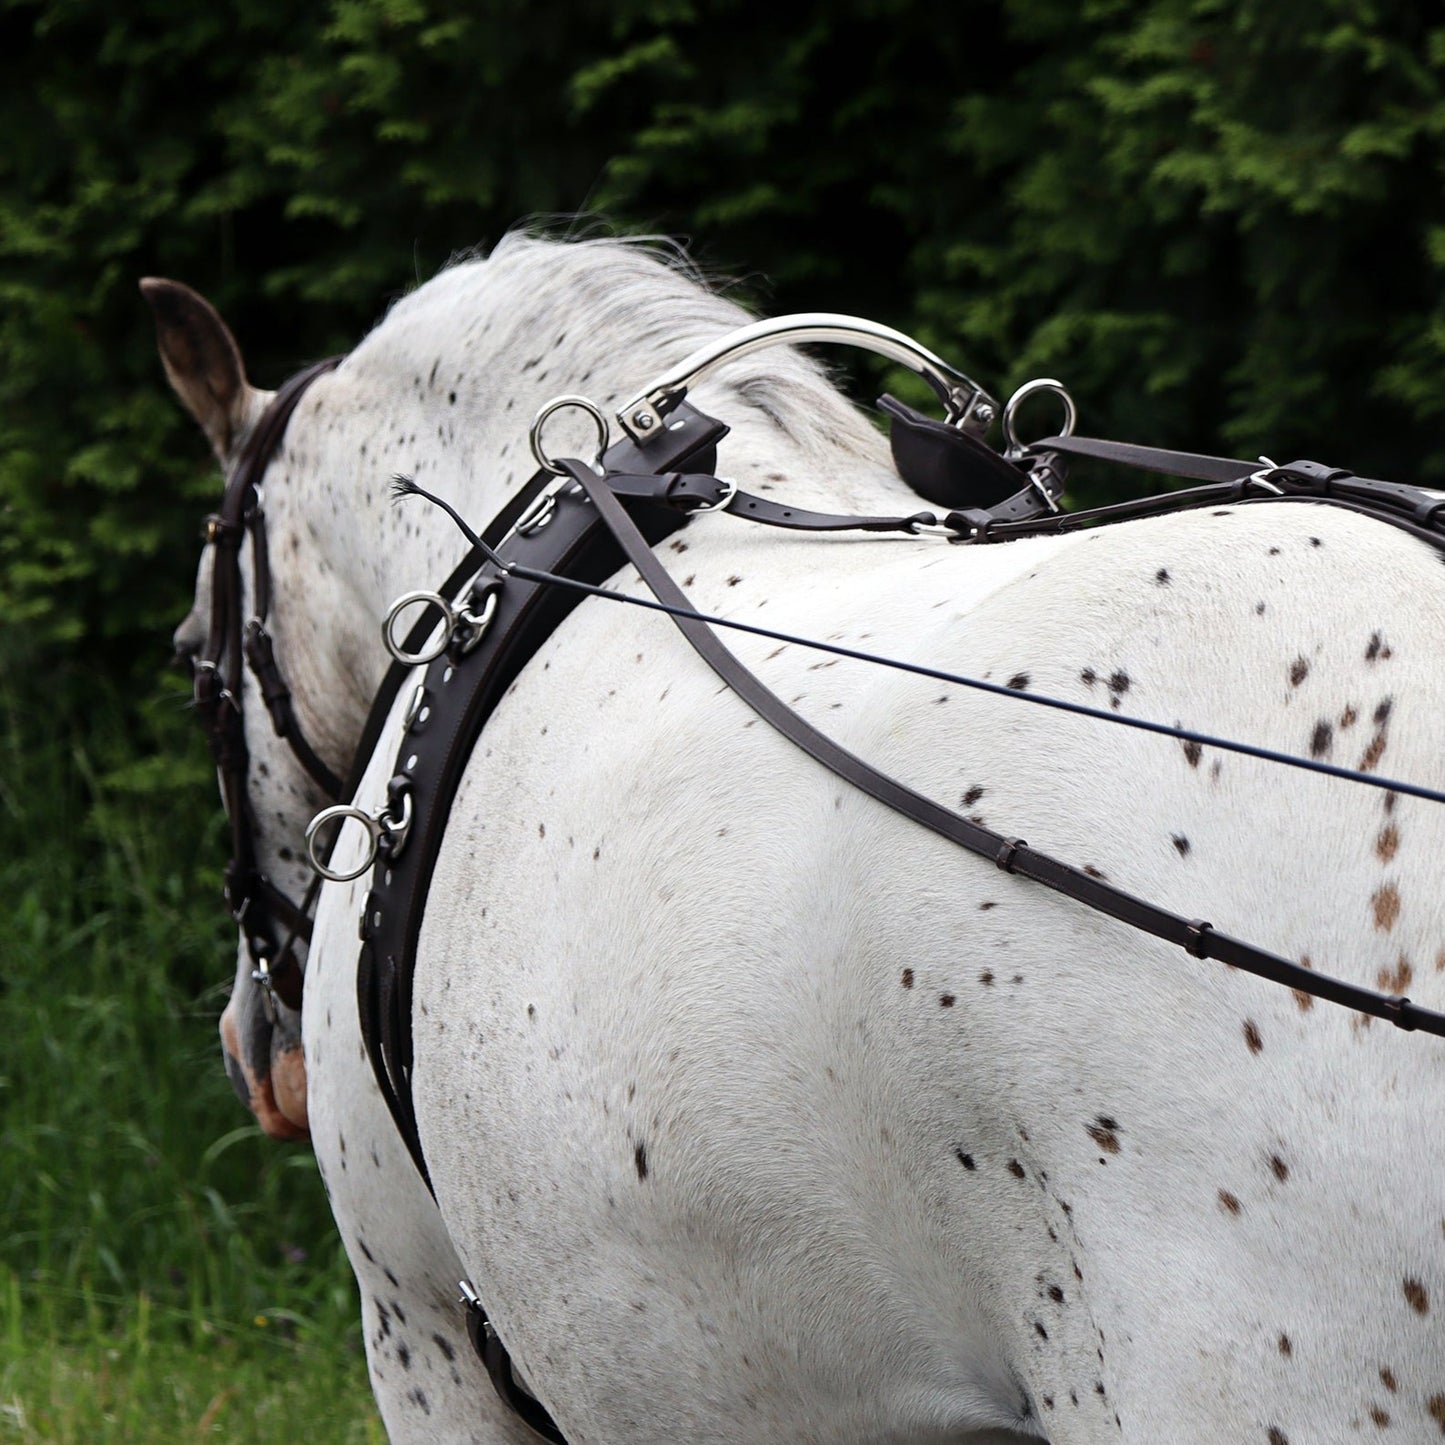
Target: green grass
[165,1270]
[69,1373]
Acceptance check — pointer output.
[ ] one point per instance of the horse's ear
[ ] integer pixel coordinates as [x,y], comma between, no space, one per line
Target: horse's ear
[203,364]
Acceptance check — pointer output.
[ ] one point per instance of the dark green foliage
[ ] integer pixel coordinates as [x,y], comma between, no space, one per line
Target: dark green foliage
[130,1169]
[1220,224]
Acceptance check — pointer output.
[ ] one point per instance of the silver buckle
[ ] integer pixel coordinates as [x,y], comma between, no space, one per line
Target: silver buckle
[1258,479]
[730,490]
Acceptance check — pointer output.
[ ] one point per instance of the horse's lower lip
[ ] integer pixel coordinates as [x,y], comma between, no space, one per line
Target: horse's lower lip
[278,1097]
[288,1089]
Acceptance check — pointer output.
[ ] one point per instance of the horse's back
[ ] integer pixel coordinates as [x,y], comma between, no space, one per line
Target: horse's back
[785,1118]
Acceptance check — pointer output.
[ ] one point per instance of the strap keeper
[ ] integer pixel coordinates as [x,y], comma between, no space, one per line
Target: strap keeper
[1008,852]
[1314,478]
[218,531]
[971,523]
[1427,510]
[1402,1013]
[1194,937]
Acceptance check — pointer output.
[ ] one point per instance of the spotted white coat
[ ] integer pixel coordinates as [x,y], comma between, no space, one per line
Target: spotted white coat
[758,1114]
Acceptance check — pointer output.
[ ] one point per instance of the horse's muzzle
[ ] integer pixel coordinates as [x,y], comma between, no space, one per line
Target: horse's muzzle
[266,1066]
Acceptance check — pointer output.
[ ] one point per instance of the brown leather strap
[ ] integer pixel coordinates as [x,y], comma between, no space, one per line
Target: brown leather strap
[251,898]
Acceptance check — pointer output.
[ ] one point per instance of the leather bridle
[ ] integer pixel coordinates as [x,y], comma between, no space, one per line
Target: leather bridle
[270,921]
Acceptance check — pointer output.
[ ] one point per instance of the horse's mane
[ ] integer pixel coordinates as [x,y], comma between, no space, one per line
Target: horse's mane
[649,302]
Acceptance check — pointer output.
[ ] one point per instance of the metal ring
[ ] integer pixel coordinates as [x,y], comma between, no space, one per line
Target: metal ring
[388,636]
[476,624]
[373,828]
[556,404]
[396,830]
[1031,388]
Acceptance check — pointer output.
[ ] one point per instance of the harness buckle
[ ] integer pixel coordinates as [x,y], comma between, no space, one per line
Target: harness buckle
[1039,481]
[1261,478]
[730,490]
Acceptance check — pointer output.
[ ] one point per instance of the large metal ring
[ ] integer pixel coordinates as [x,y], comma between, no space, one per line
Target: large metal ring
[1032,388]
[341,811]
[556,404]
[388,634]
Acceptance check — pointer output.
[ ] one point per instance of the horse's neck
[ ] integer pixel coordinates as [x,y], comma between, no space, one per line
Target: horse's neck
[426,397]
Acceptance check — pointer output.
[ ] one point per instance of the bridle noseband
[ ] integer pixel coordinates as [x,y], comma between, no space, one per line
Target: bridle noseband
[261,909]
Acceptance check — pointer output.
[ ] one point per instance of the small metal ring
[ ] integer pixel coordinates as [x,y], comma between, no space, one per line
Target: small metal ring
[1031,388]
[476,623]
[373,828]
[388,635]
[556,404]
[395,830]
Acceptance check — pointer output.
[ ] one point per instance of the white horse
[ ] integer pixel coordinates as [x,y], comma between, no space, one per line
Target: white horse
[757,1113]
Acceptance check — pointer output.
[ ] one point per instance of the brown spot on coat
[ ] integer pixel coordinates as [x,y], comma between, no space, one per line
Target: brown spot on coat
[1299,669]
[1386,906]
[1229,1202]
[1416,1295]
[1280,1168]
[1396,980]
[1322,739]
[1104,1131]
[1286,1346]
[1015,1168]
[946,1000]
[1019,681]
[1305,1000]
[1192,753]
[1388,1380]
[1252,1036]
[986,977]
[1388,843]
[907,979]
[1370,758]
[1379,1416]
[1436,1406]
[1277,1436]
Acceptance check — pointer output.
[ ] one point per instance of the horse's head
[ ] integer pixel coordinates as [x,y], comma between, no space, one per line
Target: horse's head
[297,575]
[270,783]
